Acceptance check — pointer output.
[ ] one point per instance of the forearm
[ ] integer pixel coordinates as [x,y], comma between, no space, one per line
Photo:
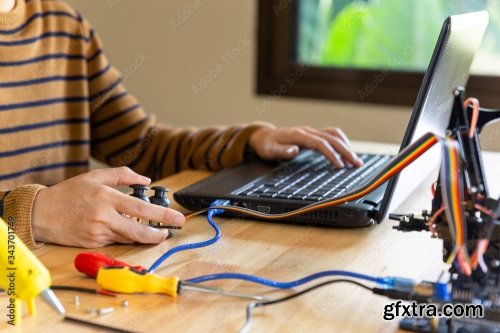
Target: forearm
[212,148]
[158,150]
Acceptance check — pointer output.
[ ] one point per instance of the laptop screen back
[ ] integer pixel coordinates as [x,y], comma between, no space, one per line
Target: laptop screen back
[449,67]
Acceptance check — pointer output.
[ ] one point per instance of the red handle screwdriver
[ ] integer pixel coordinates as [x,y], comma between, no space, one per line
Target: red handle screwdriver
[89,263]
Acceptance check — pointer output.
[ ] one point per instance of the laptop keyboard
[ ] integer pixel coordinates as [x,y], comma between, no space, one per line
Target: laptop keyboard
[310,176]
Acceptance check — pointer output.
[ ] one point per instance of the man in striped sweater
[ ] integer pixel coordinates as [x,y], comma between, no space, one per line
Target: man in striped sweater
[62,102]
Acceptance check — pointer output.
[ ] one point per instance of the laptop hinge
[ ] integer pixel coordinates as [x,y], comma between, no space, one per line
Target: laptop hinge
[375,212]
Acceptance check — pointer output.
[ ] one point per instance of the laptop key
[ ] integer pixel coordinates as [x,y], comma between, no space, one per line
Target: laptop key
[313,197]
[294,188]
[282,196]
[302,193]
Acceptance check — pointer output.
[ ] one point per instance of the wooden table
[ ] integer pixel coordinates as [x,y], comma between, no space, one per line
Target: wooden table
[277,251]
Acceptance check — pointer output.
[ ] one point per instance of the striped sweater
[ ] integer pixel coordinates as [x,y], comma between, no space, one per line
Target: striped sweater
[62,102]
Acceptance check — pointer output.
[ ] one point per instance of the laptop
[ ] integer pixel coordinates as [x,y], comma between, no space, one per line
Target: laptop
[282,187]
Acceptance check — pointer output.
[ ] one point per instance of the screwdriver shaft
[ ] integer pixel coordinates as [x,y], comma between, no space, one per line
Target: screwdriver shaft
[212,290]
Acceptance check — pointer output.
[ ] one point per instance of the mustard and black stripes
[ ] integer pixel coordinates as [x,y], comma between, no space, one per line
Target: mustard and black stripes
[52,69]
[61,101]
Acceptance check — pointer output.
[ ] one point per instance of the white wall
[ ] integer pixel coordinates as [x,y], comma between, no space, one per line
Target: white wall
[166,47]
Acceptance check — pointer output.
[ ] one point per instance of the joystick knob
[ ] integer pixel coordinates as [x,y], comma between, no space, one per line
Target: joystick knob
[139,192]
[159,197]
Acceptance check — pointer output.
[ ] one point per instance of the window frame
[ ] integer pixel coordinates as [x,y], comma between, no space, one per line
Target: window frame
[278,74]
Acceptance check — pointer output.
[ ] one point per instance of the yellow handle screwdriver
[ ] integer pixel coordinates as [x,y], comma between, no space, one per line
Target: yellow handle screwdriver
[22,276]
[127,280]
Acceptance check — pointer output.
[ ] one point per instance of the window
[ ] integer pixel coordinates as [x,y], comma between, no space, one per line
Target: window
[365,50]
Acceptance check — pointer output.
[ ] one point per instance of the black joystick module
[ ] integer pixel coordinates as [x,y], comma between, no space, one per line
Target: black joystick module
[158,198]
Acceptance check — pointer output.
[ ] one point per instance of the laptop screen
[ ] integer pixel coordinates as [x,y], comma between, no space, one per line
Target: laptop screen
[449,67]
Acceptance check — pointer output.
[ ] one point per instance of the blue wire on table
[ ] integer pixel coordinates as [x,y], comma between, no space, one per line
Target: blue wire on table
[286,285]
[210,215]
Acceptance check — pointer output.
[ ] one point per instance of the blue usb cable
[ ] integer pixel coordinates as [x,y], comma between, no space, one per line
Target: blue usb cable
[210,218]
[285,285]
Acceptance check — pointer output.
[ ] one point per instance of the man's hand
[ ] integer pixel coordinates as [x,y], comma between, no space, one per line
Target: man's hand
[86,211]
[285,143]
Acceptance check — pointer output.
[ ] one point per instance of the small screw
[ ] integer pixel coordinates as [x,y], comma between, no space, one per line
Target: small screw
[104,311]
[77,300]
[124,304]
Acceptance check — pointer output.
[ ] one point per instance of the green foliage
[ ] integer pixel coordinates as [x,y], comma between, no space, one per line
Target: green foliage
[342,39]
[393,34]
[386,34]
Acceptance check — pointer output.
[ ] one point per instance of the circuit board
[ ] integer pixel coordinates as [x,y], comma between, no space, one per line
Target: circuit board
[468,222]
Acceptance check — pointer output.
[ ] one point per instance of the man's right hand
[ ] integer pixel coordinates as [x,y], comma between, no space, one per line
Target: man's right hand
[85,211]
